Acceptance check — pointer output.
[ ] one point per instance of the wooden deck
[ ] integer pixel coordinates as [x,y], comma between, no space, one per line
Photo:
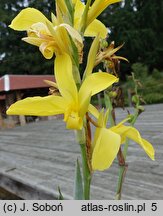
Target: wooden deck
[37,158]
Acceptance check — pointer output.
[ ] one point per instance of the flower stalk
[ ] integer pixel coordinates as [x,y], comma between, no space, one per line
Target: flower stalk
[124,166]
[120,155]
[85,166]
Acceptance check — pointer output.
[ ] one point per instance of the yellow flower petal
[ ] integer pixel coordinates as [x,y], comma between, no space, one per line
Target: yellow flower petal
[33,40]
[92,56]
[133,134]
[47,49]
[64,78]
[62,39]
[38,106]
[74,121]
[79,9]
[26,18]
[96,82]
[73,33]
[54,20]
[84,104]
[111,50]
[74,1]
[105,150]
[120,57]
[147,146]
[101,119]
[40,30]
[51,83]
[62,6]
[97,7]
[95,28]
[93,111]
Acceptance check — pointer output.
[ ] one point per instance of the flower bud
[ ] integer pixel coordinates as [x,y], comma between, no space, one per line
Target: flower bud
[104,44]
[113,94]
[135,99]
[140,109]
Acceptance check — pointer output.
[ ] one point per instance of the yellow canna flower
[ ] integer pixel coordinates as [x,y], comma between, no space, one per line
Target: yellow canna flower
[107,141]
[73,103]
[50,37]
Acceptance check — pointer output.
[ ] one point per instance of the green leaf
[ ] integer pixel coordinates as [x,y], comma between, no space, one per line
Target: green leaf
[78,186]
[74,52]
[70,9]
[108,105]
[60,197]
[84,17]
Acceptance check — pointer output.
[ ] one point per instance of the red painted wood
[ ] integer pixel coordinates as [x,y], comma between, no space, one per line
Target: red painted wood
[18,82]
[1,84]
[2,97]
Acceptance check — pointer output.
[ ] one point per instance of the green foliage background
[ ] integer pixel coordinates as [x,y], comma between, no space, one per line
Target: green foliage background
[16,56]
[139,24]
[151,85]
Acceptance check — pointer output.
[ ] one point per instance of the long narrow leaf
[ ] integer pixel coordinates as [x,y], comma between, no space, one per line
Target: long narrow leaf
[78,186]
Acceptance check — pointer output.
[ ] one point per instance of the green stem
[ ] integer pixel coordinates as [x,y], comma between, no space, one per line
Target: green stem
[123,167]
[121,159]
[127,141]
[109,106]
[85,167]
[121,155]
[121,176]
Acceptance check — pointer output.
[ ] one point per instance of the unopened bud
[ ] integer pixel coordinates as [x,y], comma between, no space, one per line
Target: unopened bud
[113,94]
[131,117]
[140,109]
[104,44]
[135,99]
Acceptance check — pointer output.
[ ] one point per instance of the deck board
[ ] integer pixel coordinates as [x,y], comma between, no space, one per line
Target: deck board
[37,158]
